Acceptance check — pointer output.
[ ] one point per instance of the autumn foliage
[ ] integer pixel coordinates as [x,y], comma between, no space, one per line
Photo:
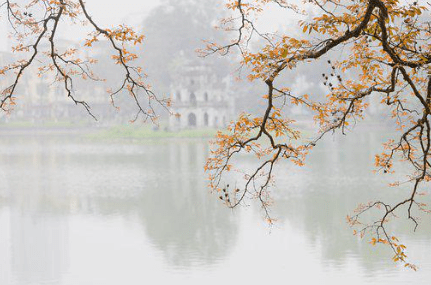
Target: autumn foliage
[35,25]
[383,49]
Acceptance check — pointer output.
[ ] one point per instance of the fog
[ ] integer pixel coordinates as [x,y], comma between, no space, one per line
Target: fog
[105,200]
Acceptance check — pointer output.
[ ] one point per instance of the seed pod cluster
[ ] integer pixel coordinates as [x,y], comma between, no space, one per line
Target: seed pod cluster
[332,74]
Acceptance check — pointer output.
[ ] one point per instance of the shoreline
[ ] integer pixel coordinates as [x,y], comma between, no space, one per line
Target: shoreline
[119,132]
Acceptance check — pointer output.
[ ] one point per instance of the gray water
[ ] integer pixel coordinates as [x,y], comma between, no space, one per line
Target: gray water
[75,211]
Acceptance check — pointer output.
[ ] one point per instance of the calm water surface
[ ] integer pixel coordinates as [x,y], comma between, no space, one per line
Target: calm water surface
[74,211]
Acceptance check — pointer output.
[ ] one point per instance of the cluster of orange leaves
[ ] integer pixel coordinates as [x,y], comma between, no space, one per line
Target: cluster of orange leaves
[364,67]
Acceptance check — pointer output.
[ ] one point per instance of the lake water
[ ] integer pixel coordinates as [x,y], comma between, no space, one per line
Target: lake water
[75,211]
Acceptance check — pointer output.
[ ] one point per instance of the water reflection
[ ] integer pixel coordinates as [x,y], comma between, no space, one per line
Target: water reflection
[73,210]
[39,246]
[316,199]
[180,219]
[161,186]
[38,239]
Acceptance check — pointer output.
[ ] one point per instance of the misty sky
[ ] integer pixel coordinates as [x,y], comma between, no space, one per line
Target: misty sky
[109,13]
